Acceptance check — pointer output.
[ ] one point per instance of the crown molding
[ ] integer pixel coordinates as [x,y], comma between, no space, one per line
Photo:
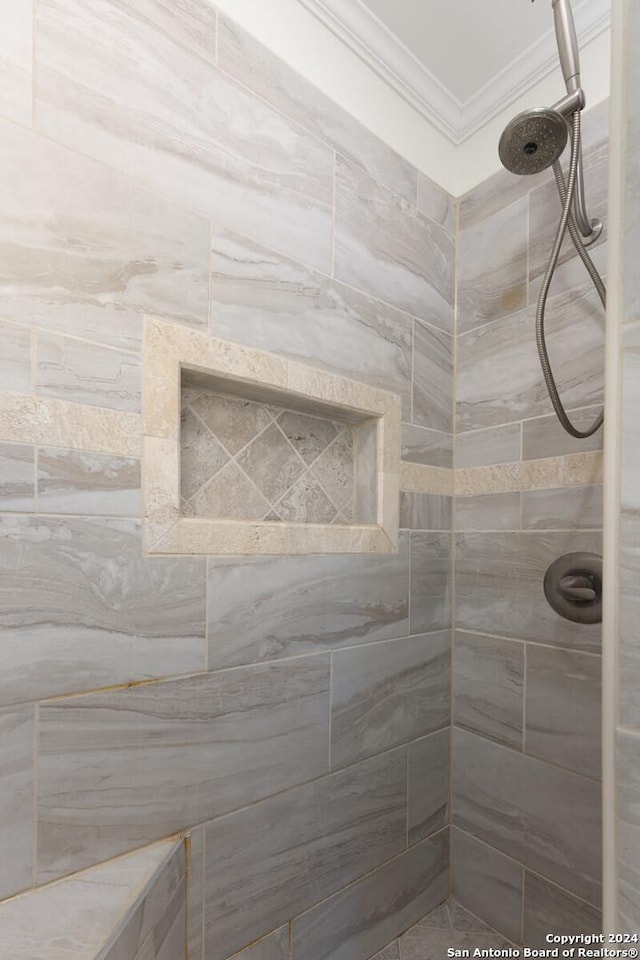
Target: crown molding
[371,40]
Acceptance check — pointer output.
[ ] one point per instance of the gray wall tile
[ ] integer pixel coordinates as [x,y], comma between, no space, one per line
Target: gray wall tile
[492,511]
[183,126]
[493,194]
[548,909]
[492,266]
[487,883]
[628,853]
[70,481]
[267,301]
[385,694]
[281,856]
[436,203]
[192,22]
[269,607]
[16,358]
[92,608]
[429,782]
[545,817]
[575,508]
[170,934]
[275,946]
[563,708]
[16,799]
[88,250]
[431,447]
[430,604]
[358,921]
[87,373]
[629,603]
[254,65]
[425,511]
[432,378]
[195,894]
[499,377]
[17,477]
[480,448]
[118,769]
[499,580]
[385,246]
[488,686]
[546,437]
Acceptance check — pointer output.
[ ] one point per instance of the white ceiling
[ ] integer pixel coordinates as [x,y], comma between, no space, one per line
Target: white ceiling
[459,62]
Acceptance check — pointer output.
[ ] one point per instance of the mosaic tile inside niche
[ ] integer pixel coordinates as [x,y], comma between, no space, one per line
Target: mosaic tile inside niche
[245,460]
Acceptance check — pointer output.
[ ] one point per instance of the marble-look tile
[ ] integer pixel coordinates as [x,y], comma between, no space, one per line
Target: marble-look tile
[170,933]
[272,607]
[544,213]
[269,76]
[147,950]
[195,894]
[191,22]
[494,194]
[88,373]
[309,435]
[574,508]
[499,580]
[432,447]
[90,607]
[481,448]
[432,378]
[17,477]
[628,851]
[550,910]
[262,299]
[417,944]
[487,883]
[16,799]
[16,61]
[430,605]
[275,946]
[386,694]
[280,857]
[546,818]
[229,494]
[271,463]
[392,952]
[492,511]
[499,377]
[492,267]
[488,687]
[306,502]
[436,203]
[87,250]
[161,753]
[334,470]
[363,918]
[425,511]
[182,126]
[77,918]
[563,708]
[15,364]
[201,454]
[546,437]
[138,926]
[385,246]
[69,481]
[428,785]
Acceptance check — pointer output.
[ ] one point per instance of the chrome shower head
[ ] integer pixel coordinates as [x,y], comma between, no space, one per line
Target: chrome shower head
[533,141]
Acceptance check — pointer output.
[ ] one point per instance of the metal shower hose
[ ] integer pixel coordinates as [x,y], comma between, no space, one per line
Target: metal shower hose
[566,191]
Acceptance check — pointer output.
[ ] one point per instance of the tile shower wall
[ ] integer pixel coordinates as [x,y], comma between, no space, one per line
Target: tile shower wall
[526,796]
[185,172]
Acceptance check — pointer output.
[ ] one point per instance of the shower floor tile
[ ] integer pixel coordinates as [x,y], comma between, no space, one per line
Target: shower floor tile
[449,925]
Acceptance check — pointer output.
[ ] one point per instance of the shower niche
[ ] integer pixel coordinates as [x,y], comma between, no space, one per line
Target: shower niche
[248,452]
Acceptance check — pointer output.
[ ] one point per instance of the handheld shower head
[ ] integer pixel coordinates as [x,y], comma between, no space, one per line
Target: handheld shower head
[533,141]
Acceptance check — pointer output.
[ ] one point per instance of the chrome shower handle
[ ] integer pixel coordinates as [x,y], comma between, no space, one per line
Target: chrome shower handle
[567,41]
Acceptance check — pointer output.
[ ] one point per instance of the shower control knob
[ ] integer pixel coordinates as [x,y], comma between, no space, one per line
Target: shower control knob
[573,587]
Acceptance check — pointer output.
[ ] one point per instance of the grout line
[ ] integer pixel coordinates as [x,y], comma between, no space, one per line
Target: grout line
[523,882]
[524,698]
[413,356]
[36,790]
[330,758]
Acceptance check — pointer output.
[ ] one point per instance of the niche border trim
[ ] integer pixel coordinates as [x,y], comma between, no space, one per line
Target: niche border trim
[170,348]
